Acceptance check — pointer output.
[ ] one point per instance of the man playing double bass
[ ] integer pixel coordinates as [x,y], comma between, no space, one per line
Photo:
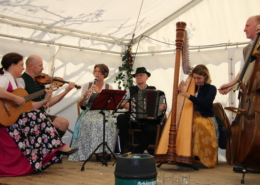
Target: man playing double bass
[251,29]
[34,67]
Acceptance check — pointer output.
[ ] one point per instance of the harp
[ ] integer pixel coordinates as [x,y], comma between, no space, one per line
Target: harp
[176,139]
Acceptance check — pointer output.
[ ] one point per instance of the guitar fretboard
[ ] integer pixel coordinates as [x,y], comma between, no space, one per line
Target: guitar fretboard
[34,95]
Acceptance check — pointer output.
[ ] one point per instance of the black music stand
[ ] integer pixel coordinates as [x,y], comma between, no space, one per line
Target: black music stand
[106,100]
[132,115]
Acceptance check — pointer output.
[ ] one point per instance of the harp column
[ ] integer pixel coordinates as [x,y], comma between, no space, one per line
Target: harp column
[180,31]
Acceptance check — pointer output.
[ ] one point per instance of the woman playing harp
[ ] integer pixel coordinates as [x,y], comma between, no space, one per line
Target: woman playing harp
[204,135]
[175,144]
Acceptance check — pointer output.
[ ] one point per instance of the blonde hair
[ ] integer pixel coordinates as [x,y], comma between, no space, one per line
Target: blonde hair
[202,70]
[103,68]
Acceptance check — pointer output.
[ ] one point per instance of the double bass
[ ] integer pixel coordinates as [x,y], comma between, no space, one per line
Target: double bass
[244,135]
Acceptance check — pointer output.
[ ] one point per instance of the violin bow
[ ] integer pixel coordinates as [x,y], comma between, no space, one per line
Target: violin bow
[48,109]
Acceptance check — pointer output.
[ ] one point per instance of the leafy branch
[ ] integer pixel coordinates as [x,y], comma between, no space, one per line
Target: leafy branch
[124,78]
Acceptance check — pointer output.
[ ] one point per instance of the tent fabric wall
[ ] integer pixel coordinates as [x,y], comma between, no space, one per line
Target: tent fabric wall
[26,49]
[209,22]
[111,21]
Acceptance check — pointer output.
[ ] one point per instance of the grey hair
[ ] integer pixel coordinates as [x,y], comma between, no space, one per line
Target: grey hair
[257,19]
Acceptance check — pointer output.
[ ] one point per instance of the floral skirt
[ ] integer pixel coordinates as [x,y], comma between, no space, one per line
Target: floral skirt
[37,139]
[204,139]
[90,134]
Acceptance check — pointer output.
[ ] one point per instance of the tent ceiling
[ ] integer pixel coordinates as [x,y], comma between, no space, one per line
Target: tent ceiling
[103,20]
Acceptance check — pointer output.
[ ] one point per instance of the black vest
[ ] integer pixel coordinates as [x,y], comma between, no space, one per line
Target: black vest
[31,86]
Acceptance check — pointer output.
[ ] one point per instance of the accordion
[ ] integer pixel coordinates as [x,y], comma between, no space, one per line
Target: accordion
[145,105]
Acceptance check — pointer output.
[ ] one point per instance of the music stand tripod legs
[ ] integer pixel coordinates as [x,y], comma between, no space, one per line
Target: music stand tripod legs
[128,140]
[104,144]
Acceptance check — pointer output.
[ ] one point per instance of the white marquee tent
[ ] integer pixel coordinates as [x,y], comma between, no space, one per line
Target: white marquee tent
[73,36]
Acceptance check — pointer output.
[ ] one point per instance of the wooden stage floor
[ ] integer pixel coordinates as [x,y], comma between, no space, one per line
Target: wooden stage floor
[69,173]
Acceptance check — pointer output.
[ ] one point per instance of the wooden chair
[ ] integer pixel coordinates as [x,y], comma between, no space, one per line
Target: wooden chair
[78,108]
[151,146]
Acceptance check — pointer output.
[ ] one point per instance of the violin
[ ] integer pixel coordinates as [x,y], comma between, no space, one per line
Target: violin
[44,79]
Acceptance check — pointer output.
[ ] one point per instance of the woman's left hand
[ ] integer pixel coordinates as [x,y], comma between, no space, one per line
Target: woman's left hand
[182,90]
[182,86]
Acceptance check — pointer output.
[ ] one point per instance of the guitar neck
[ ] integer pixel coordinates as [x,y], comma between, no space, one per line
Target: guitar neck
[34,95]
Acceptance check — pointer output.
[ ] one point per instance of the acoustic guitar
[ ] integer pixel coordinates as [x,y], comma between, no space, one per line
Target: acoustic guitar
[10,112]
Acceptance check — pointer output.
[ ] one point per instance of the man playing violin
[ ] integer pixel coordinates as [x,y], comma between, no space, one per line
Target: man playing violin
[251,29]
[34,67]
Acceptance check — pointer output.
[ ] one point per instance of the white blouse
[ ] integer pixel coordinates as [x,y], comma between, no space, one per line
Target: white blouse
[6,78]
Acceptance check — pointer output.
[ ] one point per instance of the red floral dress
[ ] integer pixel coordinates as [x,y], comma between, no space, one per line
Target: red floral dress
[30,145]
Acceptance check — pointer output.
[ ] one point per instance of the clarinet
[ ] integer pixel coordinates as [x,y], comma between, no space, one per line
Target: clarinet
[91,95]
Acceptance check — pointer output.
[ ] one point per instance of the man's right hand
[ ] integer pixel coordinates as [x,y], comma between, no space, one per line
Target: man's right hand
[126,106]
[224,89]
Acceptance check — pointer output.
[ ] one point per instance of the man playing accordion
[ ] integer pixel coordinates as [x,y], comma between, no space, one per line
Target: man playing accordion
[148,127]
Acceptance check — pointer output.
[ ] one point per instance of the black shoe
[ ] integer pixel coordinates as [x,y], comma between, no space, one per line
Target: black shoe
[127,150]
[136,151]
[196,158]
[100,157]
[72,151]
[59,161]
[108,157]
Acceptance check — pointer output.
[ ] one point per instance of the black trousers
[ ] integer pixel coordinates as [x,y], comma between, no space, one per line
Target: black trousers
[148,132]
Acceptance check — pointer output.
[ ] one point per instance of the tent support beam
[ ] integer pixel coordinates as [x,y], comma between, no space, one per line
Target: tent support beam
[195,48]
[58,44]
[121,53]
[168,19]
[63,31]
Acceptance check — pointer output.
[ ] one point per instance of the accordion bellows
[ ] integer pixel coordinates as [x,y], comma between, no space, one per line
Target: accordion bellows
[146,104]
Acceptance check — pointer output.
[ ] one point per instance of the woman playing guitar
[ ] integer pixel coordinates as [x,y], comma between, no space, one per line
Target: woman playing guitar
[31,143]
